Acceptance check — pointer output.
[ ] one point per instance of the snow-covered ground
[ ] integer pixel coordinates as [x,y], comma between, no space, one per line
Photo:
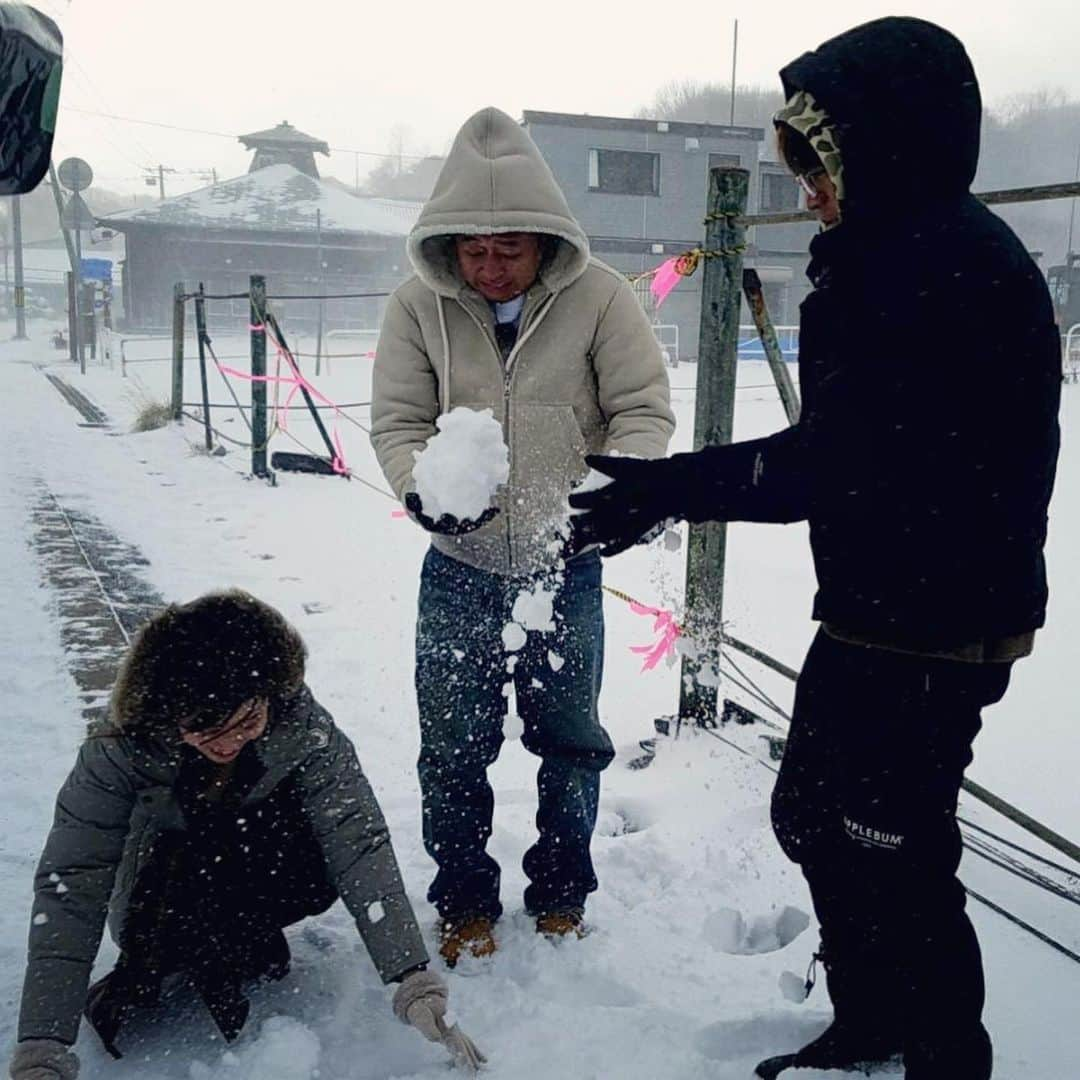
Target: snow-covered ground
[665,986]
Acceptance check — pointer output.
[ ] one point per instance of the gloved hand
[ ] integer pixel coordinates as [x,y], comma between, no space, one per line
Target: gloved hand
[43,1059]
[447,524]
[642,495]
[420,1001]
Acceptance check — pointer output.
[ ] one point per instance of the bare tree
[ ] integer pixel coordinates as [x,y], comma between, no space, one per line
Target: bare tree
[710,103]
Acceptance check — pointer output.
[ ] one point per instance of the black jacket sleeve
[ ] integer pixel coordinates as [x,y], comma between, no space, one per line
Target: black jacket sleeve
[758,480]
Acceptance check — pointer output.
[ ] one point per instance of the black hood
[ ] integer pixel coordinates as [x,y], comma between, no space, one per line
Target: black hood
[904,103]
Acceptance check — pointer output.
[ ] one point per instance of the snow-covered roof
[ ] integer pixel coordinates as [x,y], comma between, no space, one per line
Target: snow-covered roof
[407,211]
[278,198]
[285,135]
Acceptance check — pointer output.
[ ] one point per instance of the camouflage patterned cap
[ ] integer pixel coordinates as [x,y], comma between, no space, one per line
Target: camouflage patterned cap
[803,114]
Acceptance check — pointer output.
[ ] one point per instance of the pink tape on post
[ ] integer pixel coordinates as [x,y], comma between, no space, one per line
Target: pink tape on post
[296,381]
[665,278]
[668,629]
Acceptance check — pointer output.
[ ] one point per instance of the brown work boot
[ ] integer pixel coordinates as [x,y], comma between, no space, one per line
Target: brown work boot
[470,934]
[561,924]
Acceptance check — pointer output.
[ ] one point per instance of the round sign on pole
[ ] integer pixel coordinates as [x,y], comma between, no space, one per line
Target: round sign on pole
[75,174]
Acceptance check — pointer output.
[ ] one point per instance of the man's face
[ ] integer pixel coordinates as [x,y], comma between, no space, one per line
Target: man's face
[223,743]
[501,266]
[821,197]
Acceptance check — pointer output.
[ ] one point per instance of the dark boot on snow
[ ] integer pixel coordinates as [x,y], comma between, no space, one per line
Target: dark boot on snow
[837,1047]
[967,1056]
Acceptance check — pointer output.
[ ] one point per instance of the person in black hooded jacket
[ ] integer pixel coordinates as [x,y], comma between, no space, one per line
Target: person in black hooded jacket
[923,461]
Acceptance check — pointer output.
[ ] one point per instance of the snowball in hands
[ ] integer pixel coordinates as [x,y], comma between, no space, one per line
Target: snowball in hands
[462,465]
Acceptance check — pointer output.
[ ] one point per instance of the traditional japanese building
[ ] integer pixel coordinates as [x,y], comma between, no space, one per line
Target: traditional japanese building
[284,145]
[305,234]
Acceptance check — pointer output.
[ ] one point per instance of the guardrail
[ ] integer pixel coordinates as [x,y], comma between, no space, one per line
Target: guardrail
[1070,355]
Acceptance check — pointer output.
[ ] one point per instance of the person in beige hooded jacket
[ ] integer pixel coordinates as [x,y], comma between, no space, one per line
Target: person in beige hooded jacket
[507,311]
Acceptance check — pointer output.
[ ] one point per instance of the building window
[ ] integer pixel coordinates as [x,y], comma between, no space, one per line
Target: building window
[725,161]
[779,191]
[624,172]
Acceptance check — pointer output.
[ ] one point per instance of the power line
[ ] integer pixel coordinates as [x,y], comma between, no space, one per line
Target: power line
[81,70]
[233,136]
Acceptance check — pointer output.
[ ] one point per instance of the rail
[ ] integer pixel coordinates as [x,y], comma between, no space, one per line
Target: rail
[1070,356]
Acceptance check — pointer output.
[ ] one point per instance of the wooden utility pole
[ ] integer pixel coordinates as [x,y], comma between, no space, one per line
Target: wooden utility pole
[176,410]
[734,68]
[20,285]
[714,416]
[258,376]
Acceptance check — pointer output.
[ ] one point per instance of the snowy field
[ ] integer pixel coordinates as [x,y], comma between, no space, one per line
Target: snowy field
[666,986]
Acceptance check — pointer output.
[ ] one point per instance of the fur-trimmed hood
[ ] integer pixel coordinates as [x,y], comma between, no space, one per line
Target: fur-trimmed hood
[203,659]
[494,181]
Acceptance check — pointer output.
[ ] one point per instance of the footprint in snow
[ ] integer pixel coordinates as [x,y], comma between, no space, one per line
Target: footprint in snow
[623,819]
[727,930]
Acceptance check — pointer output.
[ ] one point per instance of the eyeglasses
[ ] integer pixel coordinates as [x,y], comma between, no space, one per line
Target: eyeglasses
[807,181]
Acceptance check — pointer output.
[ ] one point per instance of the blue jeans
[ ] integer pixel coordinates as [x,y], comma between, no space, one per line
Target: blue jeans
[461,667]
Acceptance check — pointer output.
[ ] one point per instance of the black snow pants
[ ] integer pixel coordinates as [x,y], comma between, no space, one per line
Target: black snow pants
[866,804]
[210,903]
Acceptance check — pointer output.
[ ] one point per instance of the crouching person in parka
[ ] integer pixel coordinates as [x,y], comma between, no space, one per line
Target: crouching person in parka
[220,805]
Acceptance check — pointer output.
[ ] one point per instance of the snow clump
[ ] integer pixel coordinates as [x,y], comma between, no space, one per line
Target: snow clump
[534,609]
[462,465]
[513,637]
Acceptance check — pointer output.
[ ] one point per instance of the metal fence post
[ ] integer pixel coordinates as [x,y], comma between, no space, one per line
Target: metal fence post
[721,294]
[73,318]
[200,331]
[258,375]
[176,411]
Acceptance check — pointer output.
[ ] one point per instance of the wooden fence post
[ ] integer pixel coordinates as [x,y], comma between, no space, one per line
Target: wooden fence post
[718,346]
[176,410]
[258,376]
[755,298]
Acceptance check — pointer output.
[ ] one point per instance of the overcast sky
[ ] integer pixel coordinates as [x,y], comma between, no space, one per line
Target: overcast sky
[361,74]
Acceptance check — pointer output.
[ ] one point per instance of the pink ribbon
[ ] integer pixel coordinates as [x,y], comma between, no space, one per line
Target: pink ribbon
[668,629]
[296,381]
[665,278]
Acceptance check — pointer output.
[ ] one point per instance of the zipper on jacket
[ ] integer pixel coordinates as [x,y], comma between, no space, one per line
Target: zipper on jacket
[508,367]
[506,375]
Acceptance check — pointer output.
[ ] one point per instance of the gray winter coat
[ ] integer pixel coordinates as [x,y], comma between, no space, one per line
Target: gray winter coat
[122,793]
[585,376]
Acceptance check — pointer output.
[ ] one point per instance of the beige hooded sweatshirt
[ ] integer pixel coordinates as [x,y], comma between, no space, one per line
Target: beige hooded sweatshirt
[585,376]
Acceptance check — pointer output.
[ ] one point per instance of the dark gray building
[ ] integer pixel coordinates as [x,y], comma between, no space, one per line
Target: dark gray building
[307,235]
[639,186]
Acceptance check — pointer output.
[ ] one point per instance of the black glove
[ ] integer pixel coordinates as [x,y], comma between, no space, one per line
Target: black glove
[447,524]
[641,496]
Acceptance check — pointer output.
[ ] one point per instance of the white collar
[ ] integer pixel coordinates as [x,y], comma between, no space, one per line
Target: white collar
[510,310]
